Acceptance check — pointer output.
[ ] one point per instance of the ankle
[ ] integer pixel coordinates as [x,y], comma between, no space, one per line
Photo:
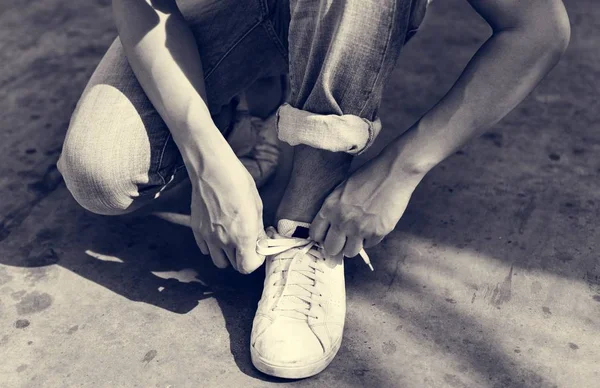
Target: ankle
[315,173]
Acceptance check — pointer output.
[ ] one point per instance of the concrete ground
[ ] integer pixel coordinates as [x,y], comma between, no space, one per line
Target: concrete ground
[491,279]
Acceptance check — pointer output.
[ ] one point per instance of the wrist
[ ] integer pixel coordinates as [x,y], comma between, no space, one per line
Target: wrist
[207,158]
[411,155]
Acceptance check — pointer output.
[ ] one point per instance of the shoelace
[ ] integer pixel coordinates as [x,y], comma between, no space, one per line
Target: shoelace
[307,271]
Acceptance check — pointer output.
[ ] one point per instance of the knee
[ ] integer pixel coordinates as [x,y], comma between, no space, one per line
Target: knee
[95,179]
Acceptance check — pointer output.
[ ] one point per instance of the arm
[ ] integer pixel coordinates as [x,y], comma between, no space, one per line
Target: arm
[529,36]
[226,209]
[528,39]
[162,52]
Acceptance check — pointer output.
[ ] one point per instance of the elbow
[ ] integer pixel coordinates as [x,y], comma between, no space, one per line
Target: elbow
[118,13]
[554,35]
[561,34]
[544,34]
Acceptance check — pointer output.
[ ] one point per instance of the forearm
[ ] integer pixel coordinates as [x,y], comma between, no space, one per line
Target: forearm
[163,54]
[501,74]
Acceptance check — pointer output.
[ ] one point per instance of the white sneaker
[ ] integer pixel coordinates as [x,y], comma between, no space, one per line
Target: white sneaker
[299,323]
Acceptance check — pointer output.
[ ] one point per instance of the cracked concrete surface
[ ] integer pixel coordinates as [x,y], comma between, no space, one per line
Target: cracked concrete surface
[492,278]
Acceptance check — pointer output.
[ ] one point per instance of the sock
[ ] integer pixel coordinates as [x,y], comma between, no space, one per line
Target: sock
[290,228]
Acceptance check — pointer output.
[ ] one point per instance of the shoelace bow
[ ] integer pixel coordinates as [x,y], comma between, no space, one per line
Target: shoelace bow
[308,271]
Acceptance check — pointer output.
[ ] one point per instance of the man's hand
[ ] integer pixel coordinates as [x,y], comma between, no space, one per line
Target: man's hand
[227,218]
[226,208]
[362,210]
[528,39]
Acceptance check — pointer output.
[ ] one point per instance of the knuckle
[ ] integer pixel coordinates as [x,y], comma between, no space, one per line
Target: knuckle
[321,215]
[328,208]
[346,218]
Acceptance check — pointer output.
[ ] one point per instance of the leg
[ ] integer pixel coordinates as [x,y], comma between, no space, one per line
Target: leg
[254,133]
[118,154]
[341,53]
[336,90]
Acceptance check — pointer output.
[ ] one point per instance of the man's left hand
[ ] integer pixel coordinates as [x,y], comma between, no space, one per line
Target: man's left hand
[363,209]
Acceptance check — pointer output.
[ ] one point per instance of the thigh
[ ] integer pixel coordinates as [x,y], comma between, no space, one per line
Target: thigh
[239,42]
[116,132]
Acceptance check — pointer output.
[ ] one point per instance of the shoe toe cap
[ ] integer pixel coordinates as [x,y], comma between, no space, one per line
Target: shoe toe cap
[286,341]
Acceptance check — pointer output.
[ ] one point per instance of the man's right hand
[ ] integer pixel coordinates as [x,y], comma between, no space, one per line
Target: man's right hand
[226,208]
[227,217]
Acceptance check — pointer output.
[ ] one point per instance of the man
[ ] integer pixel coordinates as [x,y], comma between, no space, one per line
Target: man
[129,141]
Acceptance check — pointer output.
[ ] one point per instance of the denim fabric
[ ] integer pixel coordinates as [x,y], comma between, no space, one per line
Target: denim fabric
[337,133]
[341,53]
[118,153]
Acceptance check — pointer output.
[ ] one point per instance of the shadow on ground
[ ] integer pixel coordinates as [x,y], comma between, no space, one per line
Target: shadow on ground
[524,197]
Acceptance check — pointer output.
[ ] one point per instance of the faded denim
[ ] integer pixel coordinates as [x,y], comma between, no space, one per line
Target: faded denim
[118,153]
[341,54]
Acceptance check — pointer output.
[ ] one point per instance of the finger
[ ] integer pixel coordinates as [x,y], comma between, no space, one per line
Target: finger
[203,247]
[318,228]
[353,246]
[230,254]
[262,233]
[334,241]
[248,259]
[372,241]
[201,243]
[218,256]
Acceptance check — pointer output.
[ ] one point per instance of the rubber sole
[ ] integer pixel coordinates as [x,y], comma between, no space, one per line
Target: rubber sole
[296,371]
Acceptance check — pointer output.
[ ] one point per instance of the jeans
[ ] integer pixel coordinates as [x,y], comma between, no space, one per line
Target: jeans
[118,153]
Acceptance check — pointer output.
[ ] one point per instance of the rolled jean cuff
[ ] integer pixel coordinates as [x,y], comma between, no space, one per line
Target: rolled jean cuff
[346,133]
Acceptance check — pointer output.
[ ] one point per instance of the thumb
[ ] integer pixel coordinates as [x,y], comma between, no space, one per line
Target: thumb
[262,234]
[248,259]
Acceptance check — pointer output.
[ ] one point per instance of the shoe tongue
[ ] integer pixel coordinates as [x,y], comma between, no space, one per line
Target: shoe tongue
[289,228]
